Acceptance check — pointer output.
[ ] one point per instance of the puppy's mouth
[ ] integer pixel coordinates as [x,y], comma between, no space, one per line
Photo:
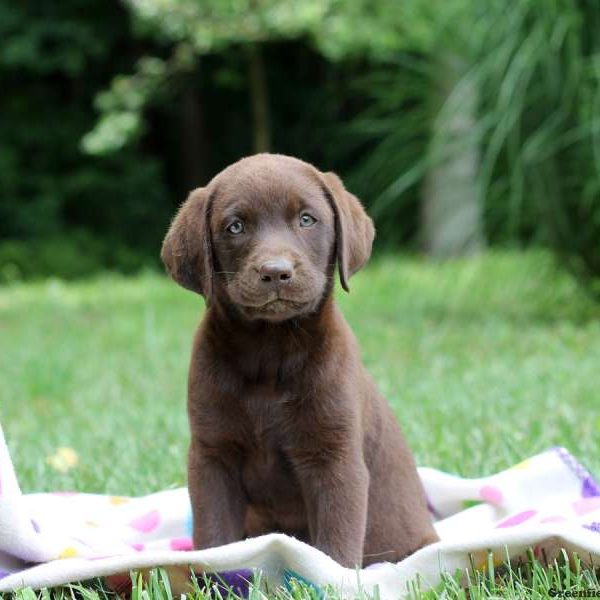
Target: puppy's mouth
[276,309]
[256,300]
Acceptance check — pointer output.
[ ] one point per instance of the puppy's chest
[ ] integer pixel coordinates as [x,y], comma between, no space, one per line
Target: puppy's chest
[267,416]
[266,441]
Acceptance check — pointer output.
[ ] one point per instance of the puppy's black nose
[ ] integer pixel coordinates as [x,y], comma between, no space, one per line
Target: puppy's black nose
[278,270]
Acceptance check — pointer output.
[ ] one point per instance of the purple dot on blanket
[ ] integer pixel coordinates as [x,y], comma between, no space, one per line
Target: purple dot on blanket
[237,581]
[35,526]
[183,543]
[589,488]
[146,523]
[138,547]
[518,518]
[594,526]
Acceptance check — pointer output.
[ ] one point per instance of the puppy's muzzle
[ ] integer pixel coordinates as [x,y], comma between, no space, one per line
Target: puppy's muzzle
[275,272]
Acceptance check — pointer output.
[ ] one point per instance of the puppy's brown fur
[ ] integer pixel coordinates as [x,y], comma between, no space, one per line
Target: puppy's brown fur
[288,432]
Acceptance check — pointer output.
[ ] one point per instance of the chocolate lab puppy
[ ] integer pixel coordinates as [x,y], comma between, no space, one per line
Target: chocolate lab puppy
[288,432]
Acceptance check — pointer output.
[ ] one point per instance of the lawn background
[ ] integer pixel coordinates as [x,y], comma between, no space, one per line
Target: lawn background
[485,360]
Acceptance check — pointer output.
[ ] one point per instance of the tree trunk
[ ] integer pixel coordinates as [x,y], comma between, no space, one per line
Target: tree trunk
[259,97]
[452,201]
[194,147]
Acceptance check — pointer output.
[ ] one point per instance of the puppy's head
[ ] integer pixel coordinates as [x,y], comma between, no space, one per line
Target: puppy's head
[264,237]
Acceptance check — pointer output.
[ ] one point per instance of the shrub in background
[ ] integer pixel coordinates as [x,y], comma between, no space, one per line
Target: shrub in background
[458,124]
[54,57]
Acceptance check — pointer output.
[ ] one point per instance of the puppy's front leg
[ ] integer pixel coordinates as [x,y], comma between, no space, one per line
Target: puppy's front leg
[335,491]
[218,504]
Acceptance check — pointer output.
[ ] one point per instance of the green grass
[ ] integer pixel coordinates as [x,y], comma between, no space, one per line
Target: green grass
[486,361]
[527,580]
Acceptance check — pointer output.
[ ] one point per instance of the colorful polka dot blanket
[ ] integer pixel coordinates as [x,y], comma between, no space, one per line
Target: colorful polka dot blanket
[545,503]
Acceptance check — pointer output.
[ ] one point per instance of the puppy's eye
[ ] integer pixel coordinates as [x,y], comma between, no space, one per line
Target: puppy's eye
[307,220]
[236,227]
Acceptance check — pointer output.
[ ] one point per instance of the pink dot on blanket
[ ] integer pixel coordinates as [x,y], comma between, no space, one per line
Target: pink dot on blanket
[184,543]
[553,519]
[586,505]
[491,494]
[138,547]
[517,519]
[146,523]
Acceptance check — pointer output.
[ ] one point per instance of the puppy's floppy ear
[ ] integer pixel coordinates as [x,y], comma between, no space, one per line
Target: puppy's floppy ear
[187,248]
[354,231]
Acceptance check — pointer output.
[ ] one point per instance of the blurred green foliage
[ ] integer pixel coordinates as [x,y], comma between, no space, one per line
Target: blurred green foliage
[111,113]
[536,68]
[54,58]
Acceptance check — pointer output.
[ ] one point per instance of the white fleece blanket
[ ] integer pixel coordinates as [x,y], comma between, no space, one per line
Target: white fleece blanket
[545,503]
